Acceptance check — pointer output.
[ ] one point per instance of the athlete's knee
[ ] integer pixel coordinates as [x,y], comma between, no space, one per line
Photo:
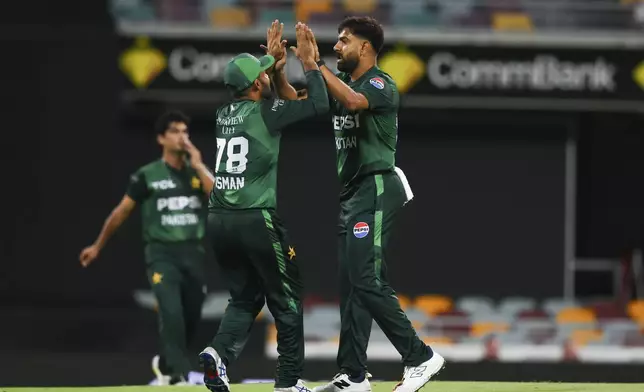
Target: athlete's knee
[254,305]
[367,287]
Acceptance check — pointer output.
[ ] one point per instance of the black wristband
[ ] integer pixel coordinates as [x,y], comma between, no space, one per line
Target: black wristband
[320,63]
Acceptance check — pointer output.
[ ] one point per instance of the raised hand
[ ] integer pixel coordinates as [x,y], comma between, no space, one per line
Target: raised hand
[311,37]
[195,154]
[275,45]
[304,50]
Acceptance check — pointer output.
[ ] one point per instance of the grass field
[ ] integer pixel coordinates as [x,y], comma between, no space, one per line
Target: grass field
[380,387]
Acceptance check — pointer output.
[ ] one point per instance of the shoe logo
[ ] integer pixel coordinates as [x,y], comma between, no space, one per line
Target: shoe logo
[417,372]
[302,389]
[341,384]
[222,371]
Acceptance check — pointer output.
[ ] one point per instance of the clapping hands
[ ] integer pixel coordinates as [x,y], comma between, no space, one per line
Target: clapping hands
[306,49]
[275,45]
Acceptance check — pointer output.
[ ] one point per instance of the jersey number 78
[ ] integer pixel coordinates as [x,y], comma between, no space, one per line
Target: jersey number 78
[236,151]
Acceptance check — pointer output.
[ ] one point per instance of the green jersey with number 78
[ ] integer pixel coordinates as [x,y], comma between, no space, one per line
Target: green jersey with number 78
[248,142]
[366,140]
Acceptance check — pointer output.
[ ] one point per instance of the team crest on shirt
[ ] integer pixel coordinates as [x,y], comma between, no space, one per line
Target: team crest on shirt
[157,278]
[361,229]
[377,83]
[196,184]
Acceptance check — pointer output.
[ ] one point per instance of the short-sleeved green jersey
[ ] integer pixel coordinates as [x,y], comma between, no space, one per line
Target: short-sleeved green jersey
[173,203]
[366,140]
[248,138]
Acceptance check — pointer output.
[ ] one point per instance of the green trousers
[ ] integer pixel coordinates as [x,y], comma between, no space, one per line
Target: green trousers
[367,215]
[259,265]
[177,276]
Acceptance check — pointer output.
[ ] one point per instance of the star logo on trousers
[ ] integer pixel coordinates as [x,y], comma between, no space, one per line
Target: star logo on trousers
[157,278]
[291,253]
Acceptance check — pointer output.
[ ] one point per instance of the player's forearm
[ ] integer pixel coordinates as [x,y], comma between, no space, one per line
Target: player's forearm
[316,89]
[340,90]
[112,223]
[206,177]
[283,88]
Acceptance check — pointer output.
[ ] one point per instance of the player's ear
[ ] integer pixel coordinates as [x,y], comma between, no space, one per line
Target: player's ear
[364,48]
[160,139]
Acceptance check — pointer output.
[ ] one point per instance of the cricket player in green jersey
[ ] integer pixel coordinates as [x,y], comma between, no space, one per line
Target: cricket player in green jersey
[172,192]
[365,104]
[251,245]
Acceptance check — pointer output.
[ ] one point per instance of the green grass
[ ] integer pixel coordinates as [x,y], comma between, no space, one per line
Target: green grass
[437,386]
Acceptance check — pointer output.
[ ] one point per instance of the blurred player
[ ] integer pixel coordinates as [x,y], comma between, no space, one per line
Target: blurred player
[365,121]
[250,243]
[172,193]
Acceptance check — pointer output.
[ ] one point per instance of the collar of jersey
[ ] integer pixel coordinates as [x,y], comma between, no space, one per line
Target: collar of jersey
[364,75]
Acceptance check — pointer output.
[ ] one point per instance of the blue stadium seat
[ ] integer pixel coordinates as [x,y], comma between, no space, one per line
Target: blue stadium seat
[412,13]
[515,305]
[416,19]
[313,329]
[415,314]
[210,4]
[615,332]
[475,305]
[266,16]
[133,10]
[552,306]
[324,314]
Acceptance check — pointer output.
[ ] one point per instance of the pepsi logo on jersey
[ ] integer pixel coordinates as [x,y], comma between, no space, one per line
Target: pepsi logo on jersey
[377,83]
[361,230]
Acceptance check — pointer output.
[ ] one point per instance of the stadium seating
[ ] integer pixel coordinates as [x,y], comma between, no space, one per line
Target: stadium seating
[508,329]
[268,15]
[500,15]
[515,21]
[305,8]
[360,6]
[230,17]
[433,304]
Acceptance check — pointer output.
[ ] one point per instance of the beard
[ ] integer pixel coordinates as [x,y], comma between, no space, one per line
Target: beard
[266,92]
[348,65]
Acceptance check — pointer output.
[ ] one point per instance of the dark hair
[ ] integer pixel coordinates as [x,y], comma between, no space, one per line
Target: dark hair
[366,27]
[164,121]
[239,94]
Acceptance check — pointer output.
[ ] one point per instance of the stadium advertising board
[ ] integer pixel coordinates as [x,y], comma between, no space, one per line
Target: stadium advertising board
[427,75]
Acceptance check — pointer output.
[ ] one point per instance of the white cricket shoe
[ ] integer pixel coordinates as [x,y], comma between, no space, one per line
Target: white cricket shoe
[215,375]
[341,383]
[161,379]
[299,387]
[415,377]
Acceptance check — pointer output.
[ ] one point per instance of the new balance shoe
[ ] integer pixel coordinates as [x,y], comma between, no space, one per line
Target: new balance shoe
[342,383]
[215,376]
[299,387]
[415,377]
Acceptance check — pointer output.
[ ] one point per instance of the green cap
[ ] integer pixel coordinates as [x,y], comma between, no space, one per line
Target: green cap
[244,69]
